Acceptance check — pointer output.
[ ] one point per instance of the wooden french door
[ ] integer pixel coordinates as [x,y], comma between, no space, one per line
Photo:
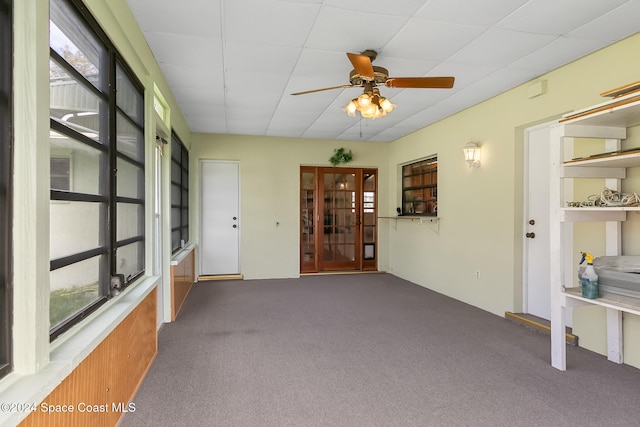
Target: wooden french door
[337,219]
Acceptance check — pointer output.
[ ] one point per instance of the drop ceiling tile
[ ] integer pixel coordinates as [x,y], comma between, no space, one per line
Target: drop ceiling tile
[185,75]
[425,118]
[340,30]
[465,74]
[381,123]
[298,121]
[498,47]
[252,89]
[332,122]
[284,133]
[410,101]
[318,63]
[468,12]
[358,132]
[557,53]
[611,26]
[233,65]
[202,110]
[318,103]
[263,59]
[204,123]
[490,86]
[403,67]
[389,135]
[198,95]
[249,122]
[431,41]
[269,21]
[183,49]
[556,17]
[381,7]
[178,17]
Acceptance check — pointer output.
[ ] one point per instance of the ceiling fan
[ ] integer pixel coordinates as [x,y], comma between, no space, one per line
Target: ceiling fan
[364,74]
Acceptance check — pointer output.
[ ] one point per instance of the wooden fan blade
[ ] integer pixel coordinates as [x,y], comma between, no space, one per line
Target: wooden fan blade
[320,90]
[362,64]
[420,82]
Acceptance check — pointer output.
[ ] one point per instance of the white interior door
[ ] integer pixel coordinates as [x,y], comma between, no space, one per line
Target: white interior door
[220,224]
[537,294]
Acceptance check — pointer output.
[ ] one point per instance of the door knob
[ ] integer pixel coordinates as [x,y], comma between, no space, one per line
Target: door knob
[531,235]
[235,226]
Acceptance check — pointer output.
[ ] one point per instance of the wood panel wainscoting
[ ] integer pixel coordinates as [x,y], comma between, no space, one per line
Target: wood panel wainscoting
[183,274]
[101,389]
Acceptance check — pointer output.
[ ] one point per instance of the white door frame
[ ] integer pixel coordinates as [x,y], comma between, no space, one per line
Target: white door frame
[158,231]
[201,208]
[526,227]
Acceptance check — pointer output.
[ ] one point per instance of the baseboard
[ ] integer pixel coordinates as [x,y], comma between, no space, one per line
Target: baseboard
[539,325]
[221,277]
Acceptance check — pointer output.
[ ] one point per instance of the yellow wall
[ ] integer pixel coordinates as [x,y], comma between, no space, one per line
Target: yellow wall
[480,210]
[270,193]
[481,226]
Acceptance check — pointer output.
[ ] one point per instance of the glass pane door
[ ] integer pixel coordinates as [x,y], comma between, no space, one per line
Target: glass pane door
[369,219]
[308,259]
[340,231]
[338,219]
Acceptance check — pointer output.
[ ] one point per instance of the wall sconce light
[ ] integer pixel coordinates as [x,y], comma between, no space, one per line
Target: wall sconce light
[472,154]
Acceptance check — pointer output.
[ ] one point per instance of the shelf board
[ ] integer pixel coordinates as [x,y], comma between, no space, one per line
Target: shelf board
[612,160]
[428,218]
[626,109]
[604,209]
[597,214]
[617,302]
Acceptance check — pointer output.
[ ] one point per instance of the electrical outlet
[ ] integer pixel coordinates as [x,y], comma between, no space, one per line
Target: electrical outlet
[477,274]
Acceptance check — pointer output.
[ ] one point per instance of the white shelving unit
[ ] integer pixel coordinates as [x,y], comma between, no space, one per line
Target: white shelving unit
[611,125]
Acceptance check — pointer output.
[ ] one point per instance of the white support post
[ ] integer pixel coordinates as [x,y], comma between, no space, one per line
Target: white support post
[614,335]
[614,248]
[556,252]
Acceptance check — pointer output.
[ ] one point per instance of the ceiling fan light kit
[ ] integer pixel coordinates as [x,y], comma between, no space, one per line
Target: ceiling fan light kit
[371,104]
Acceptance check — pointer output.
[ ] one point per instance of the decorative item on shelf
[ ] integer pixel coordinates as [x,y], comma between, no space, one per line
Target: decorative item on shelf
[608,199]
[472,154]
[341,156]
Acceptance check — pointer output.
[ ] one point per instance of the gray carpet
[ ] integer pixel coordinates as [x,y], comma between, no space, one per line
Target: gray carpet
[367,350]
